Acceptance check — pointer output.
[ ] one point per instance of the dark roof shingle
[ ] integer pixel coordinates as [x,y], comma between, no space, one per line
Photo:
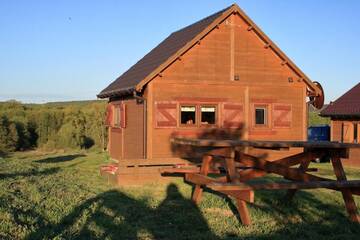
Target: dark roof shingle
[346,105]
[128,80]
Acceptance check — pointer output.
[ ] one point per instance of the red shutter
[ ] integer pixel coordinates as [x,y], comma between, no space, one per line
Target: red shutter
[109,115]
[232,114]
[165,114]
[123,115]
[282,114]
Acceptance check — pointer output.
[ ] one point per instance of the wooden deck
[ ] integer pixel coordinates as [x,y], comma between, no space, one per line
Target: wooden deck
[135,172]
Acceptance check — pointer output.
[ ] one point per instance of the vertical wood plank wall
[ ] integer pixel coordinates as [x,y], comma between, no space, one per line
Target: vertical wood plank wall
[208,71]
[348,136]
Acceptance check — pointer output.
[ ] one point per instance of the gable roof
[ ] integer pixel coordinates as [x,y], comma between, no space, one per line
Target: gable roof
[179,42]
[346,105]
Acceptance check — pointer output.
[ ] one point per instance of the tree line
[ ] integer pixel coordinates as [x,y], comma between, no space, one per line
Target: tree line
[68,125]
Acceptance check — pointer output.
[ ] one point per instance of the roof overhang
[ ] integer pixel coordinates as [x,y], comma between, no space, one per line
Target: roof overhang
[341,116]
[117,92]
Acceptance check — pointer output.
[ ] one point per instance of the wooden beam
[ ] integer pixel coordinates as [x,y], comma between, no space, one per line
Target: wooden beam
[291,160]
[243,211]
[346,193]
[199,179]
[179,170]
[272,167]
[304,164]
[183,170]
[247,174]
[247,196]
[285,185]
[197,193]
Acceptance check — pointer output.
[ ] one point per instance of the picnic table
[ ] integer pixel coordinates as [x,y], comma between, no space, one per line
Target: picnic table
[232,168]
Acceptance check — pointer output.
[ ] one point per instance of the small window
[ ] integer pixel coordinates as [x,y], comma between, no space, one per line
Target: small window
[260,116]
[117,116]
[208,115]
[188,115]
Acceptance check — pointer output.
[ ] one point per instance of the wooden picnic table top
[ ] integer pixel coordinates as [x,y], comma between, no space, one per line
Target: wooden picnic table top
[198,142]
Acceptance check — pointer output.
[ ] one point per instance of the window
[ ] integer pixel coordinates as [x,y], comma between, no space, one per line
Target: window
[117,116]
[260,116]
[188,115]
[208,115]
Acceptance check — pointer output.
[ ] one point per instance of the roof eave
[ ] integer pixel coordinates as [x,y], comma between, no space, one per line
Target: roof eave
[340,115]
[116,93]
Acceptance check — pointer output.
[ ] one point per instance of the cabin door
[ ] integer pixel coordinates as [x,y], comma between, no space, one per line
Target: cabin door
[134,130]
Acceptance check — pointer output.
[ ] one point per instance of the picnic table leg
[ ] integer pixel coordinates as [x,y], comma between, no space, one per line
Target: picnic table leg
[204,170]
[233,176]
[346,193]
[305,162]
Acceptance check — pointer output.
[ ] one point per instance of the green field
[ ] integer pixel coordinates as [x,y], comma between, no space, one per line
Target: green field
[62,196]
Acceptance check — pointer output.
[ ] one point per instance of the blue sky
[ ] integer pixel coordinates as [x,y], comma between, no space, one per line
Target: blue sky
[71,50]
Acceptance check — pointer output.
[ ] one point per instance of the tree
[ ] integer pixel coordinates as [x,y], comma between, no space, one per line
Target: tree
[8,135]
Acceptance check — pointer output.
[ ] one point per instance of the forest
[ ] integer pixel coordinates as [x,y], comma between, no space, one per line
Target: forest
[62,125]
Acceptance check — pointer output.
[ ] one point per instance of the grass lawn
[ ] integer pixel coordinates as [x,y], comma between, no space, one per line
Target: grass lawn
[62,196]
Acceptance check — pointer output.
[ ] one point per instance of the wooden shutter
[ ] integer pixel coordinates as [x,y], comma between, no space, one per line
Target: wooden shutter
[282,115]
[165,114]
[232,115]
[109,115]
[123,115]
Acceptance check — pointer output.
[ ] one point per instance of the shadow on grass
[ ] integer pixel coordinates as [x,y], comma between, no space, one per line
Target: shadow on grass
[31,173]
[306,216]
[115,215]
[59,159]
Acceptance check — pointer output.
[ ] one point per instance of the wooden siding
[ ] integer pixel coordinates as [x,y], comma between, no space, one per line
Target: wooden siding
[337,131]
[134,131]
[343,130]
[127,141]
[115,143]
[206,75]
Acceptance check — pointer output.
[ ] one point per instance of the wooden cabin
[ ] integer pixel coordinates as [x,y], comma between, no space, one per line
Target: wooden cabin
[221,72]
[345,122]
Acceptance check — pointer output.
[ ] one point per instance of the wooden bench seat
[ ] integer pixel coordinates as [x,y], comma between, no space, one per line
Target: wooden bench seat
[283,185]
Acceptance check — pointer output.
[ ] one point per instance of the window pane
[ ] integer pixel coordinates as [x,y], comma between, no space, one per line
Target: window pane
[208,115]
[260,116]
[188,114]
